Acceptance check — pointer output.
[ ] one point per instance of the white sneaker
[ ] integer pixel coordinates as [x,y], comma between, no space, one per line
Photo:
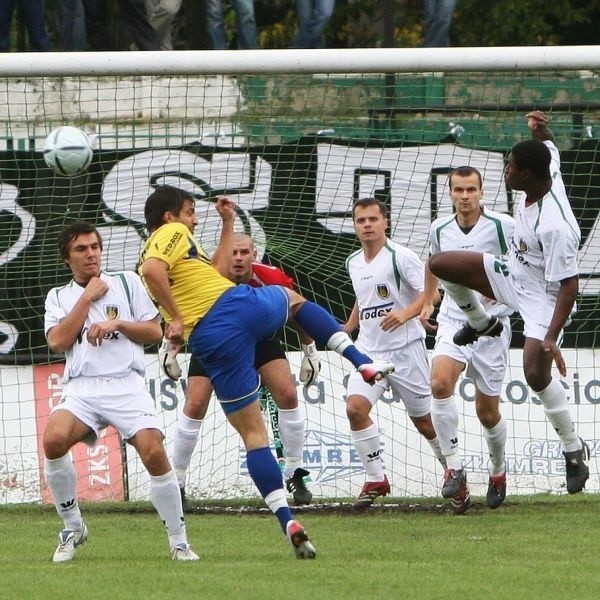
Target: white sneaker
[183,552]
[378,369]
[68,540]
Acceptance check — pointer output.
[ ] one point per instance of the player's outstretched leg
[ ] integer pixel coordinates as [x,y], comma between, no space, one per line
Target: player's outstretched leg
[325,330]
[468,335]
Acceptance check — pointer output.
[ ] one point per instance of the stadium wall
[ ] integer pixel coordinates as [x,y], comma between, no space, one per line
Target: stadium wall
[218,470]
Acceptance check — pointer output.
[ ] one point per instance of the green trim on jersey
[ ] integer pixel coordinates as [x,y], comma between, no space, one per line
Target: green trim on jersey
[560,208]
[396,271]
[355,253]
[438,230]
[127,292]
[499,230]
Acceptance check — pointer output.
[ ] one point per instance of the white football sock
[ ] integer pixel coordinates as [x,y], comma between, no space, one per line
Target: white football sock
[292,425]
[437,451]
[164,492]
[339,341]
[444,414]
[184,443]
[276,500]
[368,448]
[495,438]
[554,400]
[468,301]
[62,481]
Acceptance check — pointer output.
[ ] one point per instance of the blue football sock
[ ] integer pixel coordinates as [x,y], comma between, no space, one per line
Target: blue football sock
[264,470]
[266,474]
[317,322]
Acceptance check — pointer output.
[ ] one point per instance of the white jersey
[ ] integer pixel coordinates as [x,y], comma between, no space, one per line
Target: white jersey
[492,233]
[391,281]
[546,239]
[125,299]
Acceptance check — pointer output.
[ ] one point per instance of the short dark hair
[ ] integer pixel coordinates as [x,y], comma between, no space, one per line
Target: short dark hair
[165,198]
[465,171]
[73,230]
[534,156]
[364,202]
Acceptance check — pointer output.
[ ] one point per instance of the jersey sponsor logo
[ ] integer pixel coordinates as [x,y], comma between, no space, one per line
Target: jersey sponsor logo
[172,243]
[114,335]
[520,249]
[374,312]
[382,290]
[111,311]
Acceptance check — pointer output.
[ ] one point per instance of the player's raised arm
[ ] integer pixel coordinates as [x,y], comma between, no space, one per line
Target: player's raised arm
[221,258]
[537,121]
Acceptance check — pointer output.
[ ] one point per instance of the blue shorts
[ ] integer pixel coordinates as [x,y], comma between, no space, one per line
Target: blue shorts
[225,340]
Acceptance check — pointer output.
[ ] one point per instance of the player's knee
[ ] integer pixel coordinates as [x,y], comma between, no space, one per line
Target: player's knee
[296,301]
[436,263]
[287,399]
[155,459]
[441,387]
[357,411]
[536,379]
[196,404]
[55,445]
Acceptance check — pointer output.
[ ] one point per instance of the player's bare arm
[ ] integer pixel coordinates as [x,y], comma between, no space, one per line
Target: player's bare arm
[565,300]
[352,323]
[537,121]
[141,332]
[431,297]
[63,336]
[221,258]
[156,276]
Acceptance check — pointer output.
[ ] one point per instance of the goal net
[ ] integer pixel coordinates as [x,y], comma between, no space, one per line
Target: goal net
[293,137]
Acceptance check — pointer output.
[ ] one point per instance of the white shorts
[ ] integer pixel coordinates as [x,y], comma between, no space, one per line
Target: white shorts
[486,359]
[536,308]
[410,382]
[122,402]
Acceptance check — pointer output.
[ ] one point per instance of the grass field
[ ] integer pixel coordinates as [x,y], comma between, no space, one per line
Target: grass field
[534,547]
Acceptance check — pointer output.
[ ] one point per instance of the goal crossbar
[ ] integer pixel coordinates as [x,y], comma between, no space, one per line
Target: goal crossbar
[363,60]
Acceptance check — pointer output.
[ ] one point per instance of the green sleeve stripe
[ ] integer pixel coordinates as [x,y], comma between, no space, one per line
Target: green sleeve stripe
[500,231]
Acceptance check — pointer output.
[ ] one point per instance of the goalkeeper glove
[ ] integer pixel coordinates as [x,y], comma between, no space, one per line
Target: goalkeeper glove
[311,364]
[167,357]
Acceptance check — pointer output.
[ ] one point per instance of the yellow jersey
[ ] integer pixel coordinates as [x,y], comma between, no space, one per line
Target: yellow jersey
[196,285]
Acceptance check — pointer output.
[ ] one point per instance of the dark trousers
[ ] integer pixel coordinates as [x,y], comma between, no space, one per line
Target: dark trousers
[32,13]
[133,13]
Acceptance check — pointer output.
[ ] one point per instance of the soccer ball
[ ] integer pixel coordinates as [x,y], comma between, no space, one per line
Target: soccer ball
[68,151]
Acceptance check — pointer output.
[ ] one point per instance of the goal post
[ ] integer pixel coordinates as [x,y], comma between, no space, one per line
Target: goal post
[294,137]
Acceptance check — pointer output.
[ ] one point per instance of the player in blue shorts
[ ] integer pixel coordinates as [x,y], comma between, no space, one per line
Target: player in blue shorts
[223,322]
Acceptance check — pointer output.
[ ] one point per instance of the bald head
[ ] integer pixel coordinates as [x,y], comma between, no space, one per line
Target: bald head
[244,254]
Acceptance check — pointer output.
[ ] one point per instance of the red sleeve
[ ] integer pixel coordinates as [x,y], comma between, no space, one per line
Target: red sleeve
[268,275]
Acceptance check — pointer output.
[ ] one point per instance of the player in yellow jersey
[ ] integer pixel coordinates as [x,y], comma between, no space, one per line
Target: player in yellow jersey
[222,323]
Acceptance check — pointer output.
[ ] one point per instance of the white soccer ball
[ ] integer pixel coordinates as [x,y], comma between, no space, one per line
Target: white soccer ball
[68,151]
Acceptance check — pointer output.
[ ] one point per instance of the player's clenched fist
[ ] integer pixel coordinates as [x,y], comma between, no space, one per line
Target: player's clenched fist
[536,119]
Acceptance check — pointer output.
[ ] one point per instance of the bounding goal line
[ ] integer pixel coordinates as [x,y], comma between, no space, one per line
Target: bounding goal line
[294,137]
